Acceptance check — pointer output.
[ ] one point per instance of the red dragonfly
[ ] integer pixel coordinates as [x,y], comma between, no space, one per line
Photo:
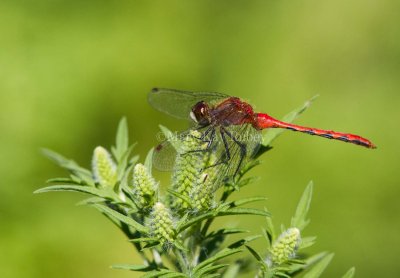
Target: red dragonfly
[229,125]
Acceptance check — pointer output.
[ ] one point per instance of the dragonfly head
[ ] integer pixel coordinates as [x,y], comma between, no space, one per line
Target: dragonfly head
[200,113]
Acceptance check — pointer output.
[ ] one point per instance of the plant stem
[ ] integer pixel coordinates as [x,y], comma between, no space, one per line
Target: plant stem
[181,260]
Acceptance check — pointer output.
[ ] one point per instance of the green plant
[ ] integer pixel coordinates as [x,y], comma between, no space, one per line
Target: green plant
[172,230]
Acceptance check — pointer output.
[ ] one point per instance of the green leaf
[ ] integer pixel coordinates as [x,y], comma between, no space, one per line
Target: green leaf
[256,255]
[307,242]
[123,162]
[77,188]
[90,201]
[225,231]
[306,263]
[134,159]
[232,271]
[70,165]
[269,232]
[208,269]
[179,246]
[215,275]
[121,140]
[64,181]
[133,267]
[243,241]
[180,196]
[163,273]
[119,216]
[350,273]
[148,163]
[239,211]
[144,239]
[263,266]
[246,181]
[246,201]
[184,225]
[223,212]
[220,255]
[273,133]
[316,270]
[151,245]
[299,219]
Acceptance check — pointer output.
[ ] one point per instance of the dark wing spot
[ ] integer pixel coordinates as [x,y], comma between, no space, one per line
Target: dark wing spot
[159,147]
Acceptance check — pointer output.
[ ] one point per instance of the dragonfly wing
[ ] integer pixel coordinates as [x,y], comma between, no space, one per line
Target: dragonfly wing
[178,103]
[232,148]
[165,153]
[243,142]
[164,156]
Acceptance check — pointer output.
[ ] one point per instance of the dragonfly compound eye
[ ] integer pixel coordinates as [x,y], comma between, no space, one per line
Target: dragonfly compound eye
[200,113]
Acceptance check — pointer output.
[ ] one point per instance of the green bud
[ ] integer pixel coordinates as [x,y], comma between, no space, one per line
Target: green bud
[202,193]
[187,173]
[104,168]
[161,224]
[284,248]
[144,187]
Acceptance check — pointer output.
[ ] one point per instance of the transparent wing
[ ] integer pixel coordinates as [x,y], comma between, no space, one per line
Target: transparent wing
[232,148]
[165,153]
[178,103]
[235,147]
[164,156]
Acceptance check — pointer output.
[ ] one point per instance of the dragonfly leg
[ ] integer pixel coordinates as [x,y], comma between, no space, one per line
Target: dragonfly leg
[209,142]
[243,149]
[227,151]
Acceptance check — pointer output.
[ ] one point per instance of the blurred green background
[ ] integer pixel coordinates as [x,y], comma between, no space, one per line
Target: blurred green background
[69,70]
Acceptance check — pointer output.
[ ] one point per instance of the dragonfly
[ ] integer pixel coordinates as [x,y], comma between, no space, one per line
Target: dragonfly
[229,126]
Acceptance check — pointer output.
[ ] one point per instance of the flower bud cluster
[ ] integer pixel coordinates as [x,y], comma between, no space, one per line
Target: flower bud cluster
[104,168]
[143,187]
[192,179]
[284,248]
[161,224]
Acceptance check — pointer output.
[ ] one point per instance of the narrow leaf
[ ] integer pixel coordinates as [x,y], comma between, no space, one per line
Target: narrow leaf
[149,160]
[125,219]
[247,200]
[220,255]
[134,267]
[270,230]
[316,270]
[68,164]
[232,271]
[299,219]
[243,241]
[77,188]
[255,254]
[225,231]
[238,211]
[121,140]
[350,273]
[208,269]
[307,242]
[90,201]
[161,273]
[144,239]
[64,181]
